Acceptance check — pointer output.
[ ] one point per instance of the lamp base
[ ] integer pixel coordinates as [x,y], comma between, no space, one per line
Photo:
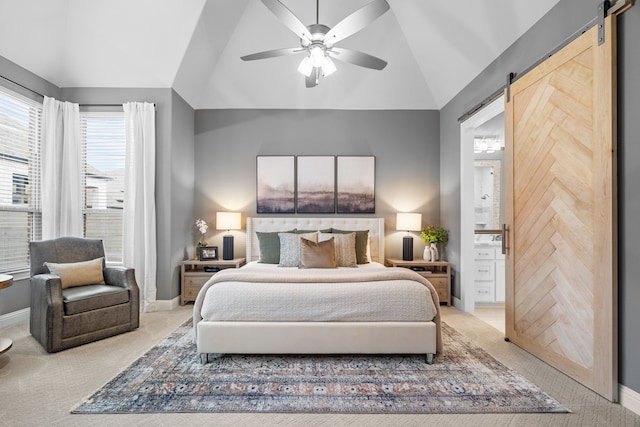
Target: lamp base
[227,247]
[407,248]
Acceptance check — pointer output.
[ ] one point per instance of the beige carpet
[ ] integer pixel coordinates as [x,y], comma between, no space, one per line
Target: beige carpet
[38,389]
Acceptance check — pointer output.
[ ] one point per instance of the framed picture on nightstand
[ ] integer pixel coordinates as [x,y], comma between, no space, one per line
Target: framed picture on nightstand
[206,253]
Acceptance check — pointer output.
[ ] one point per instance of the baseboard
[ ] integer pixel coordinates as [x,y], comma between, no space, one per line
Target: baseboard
[630,399]
[166,305]
[15,317]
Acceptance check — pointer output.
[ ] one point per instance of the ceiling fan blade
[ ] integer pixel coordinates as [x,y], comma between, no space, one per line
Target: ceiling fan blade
[288,18]
[357,58]
[312,79]
[272,53]
[356,21]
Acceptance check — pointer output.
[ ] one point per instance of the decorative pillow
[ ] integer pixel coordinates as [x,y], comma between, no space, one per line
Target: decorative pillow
[362,244]
[290,247]
[345,248]
[269,246]
[78,273]
[328,230]
[317,255]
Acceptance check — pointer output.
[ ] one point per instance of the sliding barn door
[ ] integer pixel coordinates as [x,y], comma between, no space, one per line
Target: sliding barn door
[560,212]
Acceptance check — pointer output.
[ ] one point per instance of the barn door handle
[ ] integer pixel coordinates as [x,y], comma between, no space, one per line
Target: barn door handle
[504,238]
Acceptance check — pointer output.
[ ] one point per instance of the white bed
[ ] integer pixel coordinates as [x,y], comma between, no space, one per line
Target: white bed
[314,314]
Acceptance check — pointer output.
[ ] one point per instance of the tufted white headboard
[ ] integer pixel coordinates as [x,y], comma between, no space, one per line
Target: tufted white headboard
[374,225]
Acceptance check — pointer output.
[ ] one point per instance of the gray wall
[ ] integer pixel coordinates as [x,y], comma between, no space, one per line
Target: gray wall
[566,18]
[404,143]
[629,196]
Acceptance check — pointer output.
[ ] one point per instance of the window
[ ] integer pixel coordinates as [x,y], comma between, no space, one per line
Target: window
[103,146]
[20,220]
[20,185]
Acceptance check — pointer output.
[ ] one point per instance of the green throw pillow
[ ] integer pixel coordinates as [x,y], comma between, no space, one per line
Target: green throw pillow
[270,246]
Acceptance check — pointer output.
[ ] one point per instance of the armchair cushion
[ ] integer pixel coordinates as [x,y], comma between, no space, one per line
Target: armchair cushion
[78,273]
[92,297]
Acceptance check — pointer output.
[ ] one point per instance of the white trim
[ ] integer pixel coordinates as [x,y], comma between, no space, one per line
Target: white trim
[630,399]
[465,274]
[165,305]
[15,317]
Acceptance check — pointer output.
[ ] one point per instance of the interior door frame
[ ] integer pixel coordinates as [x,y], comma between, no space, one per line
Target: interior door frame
[467,299]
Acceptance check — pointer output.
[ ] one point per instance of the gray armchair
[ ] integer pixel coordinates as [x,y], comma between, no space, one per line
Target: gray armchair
[65,318]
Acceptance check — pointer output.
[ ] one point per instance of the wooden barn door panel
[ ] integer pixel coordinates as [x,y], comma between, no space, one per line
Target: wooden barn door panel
[560,212]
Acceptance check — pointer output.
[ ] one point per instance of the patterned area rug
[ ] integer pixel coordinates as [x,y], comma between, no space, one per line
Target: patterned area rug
[170,378]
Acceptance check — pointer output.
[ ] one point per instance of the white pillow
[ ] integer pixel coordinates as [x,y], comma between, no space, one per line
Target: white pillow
[345,248]
[290,247]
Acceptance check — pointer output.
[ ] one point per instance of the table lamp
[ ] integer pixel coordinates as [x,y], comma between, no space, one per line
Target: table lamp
[409,222]
[227,221]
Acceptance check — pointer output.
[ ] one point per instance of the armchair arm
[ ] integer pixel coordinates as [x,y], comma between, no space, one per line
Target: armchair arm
[126,278]
[47,309]
[120,276]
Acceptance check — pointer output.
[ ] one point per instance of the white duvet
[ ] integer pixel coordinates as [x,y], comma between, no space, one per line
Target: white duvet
[401,299]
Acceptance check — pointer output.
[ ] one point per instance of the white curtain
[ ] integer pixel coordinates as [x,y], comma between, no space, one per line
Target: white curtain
[61,170]
[139,245]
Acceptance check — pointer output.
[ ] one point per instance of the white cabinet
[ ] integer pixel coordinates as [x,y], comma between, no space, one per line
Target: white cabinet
[488,274]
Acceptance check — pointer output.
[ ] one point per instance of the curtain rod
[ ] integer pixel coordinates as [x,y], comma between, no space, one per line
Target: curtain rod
[100,105]
[22,86]
[41,95]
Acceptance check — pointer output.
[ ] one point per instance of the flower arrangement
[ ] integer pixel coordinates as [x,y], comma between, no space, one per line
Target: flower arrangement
[434,234]
[202,226]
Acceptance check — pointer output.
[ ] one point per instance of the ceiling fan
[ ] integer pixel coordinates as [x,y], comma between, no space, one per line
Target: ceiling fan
[318,40]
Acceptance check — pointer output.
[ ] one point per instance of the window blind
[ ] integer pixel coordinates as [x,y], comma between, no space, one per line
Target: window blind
[104,150]
[20,220]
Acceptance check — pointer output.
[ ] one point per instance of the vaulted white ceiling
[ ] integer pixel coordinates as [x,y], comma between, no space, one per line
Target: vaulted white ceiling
[434,49]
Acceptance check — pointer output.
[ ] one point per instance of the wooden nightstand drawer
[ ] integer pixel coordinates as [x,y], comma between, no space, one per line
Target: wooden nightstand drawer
[193,284]
[441,285]
[194,275]
[438,273]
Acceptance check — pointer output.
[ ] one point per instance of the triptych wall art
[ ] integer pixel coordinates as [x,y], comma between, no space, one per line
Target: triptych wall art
[315,184]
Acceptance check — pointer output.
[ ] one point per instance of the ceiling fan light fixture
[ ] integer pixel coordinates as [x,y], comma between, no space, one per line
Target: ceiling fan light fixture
[318,40]
[328,67]
[305,66]
[316,54]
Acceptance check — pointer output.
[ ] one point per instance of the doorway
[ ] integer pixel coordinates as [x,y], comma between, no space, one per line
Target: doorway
[482,269]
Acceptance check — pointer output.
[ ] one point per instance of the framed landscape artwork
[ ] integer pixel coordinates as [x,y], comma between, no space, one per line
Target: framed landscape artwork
[316,184]
[275,184]
[356,184]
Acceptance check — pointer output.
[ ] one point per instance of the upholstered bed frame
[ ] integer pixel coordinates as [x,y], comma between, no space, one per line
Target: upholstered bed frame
[217,337]
[374,225]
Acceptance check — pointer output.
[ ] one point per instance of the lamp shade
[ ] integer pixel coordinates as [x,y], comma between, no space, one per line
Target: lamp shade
[409,222]
[228,220]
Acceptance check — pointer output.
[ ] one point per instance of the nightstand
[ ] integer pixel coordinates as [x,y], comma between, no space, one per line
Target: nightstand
[437,272]
[194,274]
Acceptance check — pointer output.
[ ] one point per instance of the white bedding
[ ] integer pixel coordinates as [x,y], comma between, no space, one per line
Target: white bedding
[266,309]
[348,301]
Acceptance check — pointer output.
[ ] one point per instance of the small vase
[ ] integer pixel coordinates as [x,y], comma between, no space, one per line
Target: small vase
[435,256]
[427,253]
